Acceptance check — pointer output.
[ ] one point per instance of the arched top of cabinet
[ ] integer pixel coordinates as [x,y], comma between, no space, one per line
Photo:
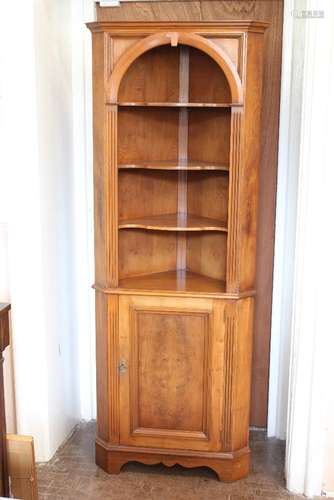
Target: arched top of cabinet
[175,38]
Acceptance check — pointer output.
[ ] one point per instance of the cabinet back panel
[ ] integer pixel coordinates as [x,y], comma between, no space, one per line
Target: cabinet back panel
[206,254]
[145,252]
[154,76]
[207,82]
[209,135]
[147,193]
[208,194]
[147,134]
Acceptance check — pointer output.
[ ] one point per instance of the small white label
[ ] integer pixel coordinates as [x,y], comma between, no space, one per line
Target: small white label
[109,3]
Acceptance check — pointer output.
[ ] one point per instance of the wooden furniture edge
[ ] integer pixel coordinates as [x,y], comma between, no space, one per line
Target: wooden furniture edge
[228,466]
[4,308]
[202,26]
[171,293]
[4,342]
[22,468]
[228,455]
[4,327]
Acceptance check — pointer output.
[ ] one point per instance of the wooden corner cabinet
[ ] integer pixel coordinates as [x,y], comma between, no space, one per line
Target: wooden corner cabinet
[176,154]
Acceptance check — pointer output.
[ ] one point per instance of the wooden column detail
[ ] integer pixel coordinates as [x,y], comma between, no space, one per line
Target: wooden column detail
[111,190]
[229,354]
[113,374]
[233,244]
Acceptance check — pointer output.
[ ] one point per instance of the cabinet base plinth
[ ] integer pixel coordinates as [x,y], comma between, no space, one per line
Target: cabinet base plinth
[236,466]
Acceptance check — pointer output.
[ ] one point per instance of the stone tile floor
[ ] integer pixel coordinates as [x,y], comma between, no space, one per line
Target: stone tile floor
[73,475]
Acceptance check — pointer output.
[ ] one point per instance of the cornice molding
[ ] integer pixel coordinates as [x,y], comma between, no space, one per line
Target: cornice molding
[197,26]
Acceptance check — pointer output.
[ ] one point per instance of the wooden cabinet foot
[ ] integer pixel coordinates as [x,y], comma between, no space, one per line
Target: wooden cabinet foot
[114,466]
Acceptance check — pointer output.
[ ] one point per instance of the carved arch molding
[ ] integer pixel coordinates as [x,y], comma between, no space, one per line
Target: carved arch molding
[175,38]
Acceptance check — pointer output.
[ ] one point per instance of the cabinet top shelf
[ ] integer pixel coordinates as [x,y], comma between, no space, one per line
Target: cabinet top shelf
[174,222]
[178,104]
[174,165]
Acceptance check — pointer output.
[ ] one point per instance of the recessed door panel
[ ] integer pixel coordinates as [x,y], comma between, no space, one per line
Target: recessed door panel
[171,370]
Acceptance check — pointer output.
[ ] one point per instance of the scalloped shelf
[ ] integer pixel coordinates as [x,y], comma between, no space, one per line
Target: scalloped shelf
[177,104]
[173,222]
[174,165]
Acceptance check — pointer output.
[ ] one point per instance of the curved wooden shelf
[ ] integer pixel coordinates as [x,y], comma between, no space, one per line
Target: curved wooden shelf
[174,165]
[173,222]
[182,281]
[176,104]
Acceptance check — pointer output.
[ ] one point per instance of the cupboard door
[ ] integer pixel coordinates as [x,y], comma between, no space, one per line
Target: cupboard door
[171,373]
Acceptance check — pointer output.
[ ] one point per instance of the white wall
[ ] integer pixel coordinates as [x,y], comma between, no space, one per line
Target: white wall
[4,271]
[46,192]
[56,186]
[82,12]
[303,265]
[301,323]
[328,477]
[286,210]
[9,381]
[4,276]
